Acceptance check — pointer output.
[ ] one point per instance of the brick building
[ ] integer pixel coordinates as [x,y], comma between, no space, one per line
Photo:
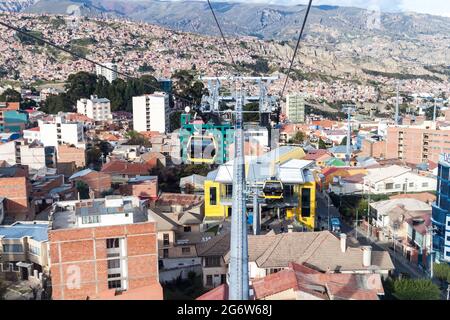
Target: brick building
[144,187]
[417,144]
[98,182]
[15,187]
[103,247]
[68,154]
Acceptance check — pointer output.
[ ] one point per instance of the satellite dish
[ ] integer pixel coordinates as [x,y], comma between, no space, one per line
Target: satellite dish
[187,109]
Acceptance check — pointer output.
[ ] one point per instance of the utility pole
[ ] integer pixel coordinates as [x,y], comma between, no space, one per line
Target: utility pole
[368,210]
[328,202]
[356,225]
[397,105]
[349,108]
[434,110]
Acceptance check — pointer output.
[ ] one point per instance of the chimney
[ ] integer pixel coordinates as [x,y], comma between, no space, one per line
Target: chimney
[367,256]
[343,242]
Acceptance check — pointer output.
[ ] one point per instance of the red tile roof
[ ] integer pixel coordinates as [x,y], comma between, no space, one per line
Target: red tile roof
[218,293]
[124,167]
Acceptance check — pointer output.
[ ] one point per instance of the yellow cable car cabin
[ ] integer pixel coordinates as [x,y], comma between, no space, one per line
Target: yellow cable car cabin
[273,190]
[202,149]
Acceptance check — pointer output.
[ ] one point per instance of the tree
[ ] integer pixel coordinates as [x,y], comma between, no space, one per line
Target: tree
[83,190]
[93,156]
[55,104]
[11,95]
[135,138]
[416,289]
[344,142]
[298,138]
[441,271]
[251,117]
[81,85]
[322,144]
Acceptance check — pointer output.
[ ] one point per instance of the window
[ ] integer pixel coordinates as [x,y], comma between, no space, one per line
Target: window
[209,280]
[165,253]
[90,219]
[186,250]
[389,186]
[213,196]
[397,186]
[166,239]
[448,238]
[5,267]
[306,203]
[14,266]
[288,190]
[114,275]
[12,248]
[411,184]
[425,185]
[114,284]
[112,243]
[187,229]
[34,250]
[223,278]
[114,264]
[229,190]
[212,262]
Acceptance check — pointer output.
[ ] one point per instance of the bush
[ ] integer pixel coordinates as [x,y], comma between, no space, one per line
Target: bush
[416,289]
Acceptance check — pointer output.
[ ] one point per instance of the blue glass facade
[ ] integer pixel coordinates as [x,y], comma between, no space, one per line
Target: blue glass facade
[441,212]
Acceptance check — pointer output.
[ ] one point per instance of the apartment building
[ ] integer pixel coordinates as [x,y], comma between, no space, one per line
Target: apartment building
[95,108]
[417,144]
[57,130]
[110,72]
[151,112]
[31,135]
[295,108]
[103,247]
[441,212]
[67,154]
[23,250]
[12,119]
[34,155]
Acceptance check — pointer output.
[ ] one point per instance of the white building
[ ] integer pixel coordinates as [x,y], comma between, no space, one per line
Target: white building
[34,155]
[33,134]
[110,75]
[97,109]
[59,131]
[151,112]
[295,108]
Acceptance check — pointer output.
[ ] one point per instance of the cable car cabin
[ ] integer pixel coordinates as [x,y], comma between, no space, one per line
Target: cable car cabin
[201,149]
[273,190]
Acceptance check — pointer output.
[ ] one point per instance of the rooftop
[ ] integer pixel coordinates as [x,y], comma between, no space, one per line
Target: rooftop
[112,210]
[36,230]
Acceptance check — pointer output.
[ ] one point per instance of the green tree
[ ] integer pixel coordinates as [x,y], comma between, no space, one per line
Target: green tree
[83,189]
[135,138]
[251,117]
[81,85]
[55,104]
[441,271]
[298,138]
[93,156]
[416,289]
[344,142]
[322,144]
[10,95]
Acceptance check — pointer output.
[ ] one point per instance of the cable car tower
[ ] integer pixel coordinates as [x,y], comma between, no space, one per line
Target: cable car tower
[238,277]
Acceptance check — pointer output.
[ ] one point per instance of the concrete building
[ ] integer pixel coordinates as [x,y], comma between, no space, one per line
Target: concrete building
[151,112]
[110,74]
[23,250]
[12,119]
[97,109]
[295,108]
[441,212]
[31,135]
[58,130]
[417,144]
[33,155]
[103,246]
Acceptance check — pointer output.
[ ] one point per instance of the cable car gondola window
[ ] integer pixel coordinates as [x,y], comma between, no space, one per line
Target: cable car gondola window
[202,148]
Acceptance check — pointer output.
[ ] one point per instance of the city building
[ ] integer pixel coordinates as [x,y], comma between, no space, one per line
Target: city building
[23,250]
[31,135]
[295,108]
[34,155]
[110,72]
[97,109]
[417,144]
[165,85]
[151,112]
[441,212]
[300,282]
[67,153]
[57,130]
[143,187]
[15,189]
[102,246]
[12,119]
[97,182]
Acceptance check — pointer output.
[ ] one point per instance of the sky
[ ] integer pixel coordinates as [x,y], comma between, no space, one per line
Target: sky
[436,7]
